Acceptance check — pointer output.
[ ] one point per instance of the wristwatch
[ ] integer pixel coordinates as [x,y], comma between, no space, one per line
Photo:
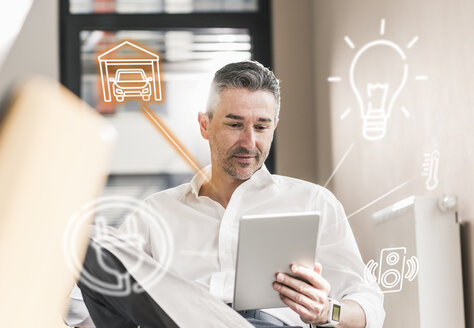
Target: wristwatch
[334,314]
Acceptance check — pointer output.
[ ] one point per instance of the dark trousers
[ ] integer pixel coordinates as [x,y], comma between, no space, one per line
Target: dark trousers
[136,309]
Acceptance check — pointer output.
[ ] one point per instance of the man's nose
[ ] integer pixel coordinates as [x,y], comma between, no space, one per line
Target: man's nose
[247,138]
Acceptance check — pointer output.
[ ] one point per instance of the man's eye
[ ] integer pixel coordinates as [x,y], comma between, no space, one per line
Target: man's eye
[234,125]
[261,127]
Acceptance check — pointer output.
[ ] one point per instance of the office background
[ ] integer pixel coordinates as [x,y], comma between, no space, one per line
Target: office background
[308,47]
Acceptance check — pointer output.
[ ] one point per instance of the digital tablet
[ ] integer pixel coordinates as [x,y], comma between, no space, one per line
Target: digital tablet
[268,244]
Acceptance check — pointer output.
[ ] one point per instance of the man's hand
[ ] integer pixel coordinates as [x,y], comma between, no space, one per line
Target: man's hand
[309,300]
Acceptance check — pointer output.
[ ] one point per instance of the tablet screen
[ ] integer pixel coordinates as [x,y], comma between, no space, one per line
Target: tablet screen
[269,244]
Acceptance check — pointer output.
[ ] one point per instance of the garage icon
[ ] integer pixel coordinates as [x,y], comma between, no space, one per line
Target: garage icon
[129,71]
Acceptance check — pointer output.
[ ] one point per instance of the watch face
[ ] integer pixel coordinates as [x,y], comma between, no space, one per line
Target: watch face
[336,312]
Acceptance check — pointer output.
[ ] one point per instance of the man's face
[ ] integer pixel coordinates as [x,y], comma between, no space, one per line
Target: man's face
[240,132]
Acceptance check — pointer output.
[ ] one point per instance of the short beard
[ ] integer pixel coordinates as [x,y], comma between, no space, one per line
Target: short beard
[232,171]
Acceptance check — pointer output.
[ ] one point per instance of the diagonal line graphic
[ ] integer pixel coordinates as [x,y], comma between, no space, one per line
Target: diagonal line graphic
[339,164]
[380,197]
[173,140]
[346,112]
[412,42]
[349,42]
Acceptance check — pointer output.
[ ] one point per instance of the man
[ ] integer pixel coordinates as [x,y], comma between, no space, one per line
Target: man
[203,215]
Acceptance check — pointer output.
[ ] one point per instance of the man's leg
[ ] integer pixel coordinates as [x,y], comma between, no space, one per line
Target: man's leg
[136,309]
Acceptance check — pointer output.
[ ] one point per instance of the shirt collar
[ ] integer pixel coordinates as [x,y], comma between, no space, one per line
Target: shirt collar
[261,176]
[198,180]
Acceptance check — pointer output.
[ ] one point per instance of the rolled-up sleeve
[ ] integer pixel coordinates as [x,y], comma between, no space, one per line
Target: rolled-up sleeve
[372,306]
[342,263]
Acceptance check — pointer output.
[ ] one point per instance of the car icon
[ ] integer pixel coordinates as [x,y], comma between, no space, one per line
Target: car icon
[131,82]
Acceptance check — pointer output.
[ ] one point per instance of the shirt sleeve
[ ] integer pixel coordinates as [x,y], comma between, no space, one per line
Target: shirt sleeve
[342,263]
[77,315]
[136,228]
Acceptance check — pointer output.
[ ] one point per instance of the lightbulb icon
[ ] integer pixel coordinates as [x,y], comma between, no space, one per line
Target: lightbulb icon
[377,75]
[377,96]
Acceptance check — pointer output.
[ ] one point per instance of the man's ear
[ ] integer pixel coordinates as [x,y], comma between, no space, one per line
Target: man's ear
[203,120]
[276,122]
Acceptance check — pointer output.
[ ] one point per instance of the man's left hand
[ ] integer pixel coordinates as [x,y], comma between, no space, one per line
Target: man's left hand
[308,299]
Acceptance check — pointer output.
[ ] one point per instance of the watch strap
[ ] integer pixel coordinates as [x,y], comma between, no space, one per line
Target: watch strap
[333,315]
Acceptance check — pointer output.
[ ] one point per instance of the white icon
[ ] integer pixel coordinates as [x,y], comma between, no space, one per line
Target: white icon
[377,75]
[131,83]
[376,98]
[124,77]
[430,169]
[393,269]
[102,239]
[132,241]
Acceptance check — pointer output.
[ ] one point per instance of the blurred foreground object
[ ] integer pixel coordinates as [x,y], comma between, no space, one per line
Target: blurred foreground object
[54,152]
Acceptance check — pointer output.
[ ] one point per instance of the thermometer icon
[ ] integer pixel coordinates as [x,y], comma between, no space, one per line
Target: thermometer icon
[430,169]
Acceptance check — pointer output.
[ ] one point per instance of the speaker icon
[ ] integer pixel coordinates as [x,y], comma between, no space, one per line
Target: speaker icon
[394,268]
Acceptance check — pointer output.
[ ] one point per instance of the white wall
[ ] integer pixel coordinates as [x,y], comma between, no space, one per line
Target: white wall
[292,29]
[441,108]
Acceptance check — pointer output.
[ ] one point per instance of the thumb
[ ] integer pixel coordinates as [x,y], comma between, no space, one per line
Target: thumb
[318,268]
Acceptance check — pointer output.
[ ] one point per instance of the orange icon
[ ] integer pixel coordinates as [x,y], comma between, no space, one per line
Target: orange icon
[124,76]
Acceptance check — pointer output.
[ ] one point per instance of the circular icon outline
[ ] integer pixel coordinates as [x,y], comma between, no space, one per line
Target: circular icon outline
[392,258]
[156,224]
[387,274]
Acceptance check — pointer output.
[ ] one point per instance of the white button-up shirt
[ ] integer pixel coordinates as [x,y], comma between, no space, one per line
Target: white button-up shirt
[205,237]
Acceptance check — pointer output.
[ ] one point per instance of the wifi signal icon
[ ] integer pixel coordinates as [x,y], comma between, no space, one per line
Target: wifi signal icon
[394,268]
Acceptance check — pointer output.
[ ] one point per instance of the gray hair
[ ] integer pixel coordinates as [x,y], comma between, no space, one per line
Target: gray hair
[249,75]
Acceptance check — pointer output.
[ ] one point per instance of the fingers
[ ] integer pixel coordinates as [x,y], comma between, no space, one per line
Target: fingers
[305,315]
[314,303]
[299,291]
[318,268]
[308,298]
[295,284]
[312,276]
